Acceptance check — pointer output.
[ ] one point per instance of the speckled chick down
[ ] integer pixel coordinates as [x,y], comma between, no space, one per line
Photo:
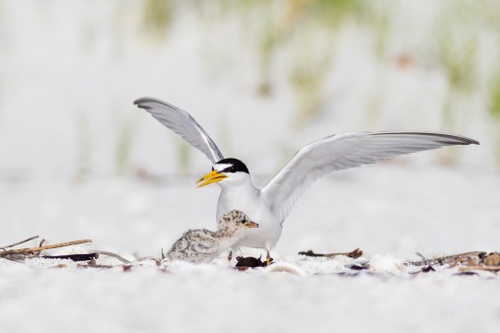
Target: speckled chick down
[203,245]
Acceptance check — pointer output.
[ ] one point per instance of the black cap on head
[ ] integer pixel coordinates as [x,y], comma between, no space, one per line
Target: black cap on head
[235,165]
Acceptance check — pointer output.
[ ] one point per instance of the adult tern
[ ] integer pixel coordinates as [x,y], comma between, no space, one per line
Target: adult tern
[270,205]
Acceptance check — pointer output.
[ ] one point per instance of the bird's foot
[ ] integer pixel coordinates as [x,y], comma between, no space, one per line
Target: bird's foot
[268,259]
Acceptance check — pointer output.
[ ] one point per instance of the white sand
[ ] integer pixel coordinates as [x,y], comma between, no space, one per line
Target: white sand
[69,72]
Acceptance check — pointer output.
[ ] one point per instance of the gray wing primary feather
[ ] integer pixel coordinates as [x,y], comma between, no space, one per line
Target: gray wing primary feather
[344,151]
[181,123]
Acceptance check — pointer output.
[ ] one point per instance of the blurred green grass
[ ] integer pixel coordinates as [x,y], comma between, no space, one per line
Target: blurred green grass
[307,32]
[296,49]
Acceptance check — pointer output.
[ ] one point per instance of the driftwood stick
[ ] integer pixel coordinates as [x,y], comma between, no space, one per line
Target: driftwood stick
[74,257]
[30,250]
[18,243]
[356,253]
[114,255]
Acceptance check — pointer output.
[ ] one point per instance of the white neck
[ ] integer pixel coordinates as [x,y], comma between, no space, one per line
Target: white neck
[237,195]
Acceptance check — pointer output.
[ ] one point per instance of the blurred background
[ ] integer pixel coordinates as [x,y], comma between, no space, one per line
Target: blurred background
[264,78]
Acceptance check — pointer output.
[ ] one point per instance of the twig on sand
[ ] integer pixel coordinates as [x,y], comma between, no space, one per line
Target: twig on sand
[74,257]
[114,255]
[28,252]
[356,253]
[38,249]
[18,243]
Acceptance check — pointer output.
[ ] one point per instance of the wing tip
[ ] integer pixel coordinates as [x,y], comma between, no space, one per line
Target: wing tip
[459,140]
[447,139]
[474,142]
[141,101]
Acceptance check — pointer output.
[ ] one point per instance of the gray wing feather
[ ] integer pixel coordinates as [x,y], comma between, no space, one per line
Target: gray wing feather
[344,151]
[181,123]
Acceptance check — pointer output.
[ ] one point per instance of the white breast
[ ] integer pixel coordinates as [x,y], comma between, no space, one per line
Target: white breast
[249,201]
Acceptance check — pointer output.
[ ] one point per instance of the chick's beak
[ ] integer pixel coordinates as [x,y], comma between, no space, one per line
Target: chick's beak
[252,224]
[212,177]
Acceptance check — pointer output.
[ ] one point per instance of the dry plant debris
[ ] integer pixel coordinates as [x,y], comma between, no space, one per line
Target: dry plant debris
[468,263]
[444,260]
[23,254]
[243,263]
[356,253]
[31,252]
[484,262]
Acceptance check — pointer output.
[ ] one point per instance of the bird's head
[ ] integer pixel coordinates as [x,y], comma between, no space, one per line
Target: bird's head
[228,170]
[235,223]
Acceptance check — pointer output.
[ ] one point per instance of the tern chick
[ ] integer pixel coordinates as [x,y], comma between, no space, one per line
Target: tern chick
[203,245]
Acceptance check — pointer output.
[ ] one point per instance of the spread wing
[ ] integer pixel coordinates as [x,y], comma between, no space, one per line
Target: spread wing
[181,123]
[345,151]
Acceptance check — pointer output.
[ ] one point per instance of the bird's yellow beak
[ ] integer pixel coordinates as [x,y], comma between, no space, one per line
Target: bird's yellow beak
[212,177]
[252,225]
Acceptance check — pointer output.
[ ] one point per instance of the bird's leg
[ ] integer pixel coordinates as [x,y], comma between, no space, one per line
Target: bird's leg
[268,258]
[230,256]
